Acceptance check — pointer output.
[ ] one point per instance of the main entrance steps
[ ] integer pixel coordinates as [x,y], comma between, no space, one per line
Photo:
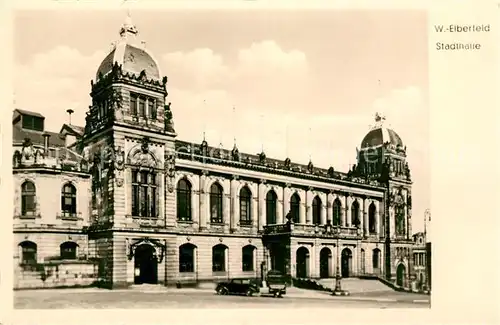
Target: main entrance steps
[148,287]
[357,286]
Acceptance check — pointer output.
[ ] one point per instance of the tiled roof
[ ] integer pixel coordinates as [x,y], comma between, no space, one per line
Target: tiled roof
[19,134]
[25,112]
[76,130]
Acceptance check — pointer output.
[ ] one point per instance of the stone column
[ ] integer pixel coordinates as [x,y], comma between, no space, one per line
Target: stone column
[344,211]
[348,218]
[286,199]
[254,208]
[195,204]
[226,204]
[365,222]
[262,205]
[280,208]
[324,205]
[308,208]
[377,218]
[302,207]
[329,208]
[234,207]
[203,202]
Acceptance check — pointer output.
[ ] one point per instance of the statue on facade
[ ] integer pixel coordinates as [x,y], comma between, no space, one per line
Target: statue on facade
[169,123]
[170,170]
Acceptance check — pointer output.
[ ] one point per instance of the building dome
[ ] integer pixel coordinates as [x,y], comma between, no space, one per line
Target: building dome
[132,57]
[380,135]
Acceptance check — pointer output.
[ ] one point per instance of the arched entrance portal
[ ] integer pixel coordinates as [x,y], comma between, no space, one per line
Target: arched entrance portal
[302,262]
[145,265]
[346,262]
[400,275]
[325,258]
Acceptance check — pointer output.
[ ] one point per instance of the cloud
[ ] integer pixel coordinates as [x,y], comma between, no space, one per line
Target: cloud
[54,81]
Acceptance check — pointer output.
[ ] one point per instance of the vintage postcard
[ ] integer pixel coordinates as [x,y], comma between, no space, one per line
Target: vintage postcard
[209,158]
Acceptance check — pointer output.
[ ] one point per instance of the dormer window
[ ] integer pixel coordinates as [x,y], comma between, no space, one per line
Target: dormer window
[32,122]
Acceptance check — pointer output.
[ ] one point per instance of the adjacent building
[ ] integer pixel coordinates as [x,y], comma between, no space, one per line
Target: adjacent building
[125,201]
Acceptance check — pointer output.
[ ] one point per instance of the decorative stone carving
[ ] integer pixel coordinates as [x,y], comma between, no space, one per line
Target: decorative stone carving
[235,153]
[331,172]
[119,182]
[310,166]
[169,123]
[170,169]
[262,157]
[142,156]
[288,163]
[119,158]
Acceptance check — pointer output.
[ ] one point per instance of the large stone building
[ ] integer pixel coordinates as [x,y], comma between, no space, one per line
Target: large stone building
[124,201]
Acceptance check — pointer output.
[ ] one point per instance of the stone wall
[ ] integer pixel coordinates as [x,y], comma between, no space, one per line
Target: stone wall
[56,274]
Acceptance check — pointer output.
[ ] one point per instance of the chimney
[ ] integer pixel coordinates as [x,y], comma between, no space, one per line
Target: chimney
[70,111]
[46,137]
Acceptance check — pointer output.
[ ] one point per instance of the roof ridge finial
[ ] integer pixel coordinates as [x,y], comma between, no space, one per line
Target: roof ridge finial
[128,28]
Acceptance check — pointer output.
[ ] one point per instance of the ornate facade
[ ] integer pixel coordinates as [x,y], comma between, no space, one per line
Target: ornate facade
[151,208]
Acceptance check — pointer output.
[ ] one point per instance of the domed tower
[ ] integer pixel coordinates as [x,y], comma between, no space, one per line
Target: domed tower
[129,137]
[382,157]
[129,88]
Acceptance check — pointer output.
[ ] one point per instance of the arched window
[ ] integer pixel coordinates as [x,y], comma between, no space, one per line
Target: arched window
[376,258]
[355,213]
[184,200]
[28,195]
[187,257]
[144,194]
[216,203]
[28,252]
[337,212]
[248,258]
[295,208]
[316,210]
[219,258]
[245,206]
[271,199]
[68,200]
[68,250]
[371,218]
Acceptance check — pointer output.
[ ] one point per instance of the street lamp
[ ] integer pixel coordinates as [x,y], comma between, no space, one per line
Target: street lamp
[338,277]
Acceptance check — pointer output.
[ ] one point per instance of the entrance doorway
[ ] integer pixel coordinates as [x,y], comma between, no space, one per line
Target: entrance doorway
[302,262]
[346,262]
[277,258]
[145,265]
[325,258]
[400,275]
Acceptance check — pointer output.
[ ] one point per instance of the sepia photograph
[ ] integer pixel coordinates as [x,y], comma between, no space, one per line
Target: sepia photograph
[221,158]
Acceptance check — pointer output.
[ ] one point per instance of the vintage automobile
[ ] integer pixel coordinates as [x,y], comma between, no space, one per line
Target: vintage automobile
[246,287]
[276,282]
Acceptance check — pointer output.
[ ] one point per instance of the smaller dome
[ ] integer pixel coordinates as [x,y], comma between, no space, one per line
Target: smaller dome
[380,135]
[133,58]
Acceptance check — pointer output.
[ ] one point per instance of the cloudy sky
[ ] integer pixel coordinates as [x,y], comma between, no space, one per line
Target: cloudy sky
[250,75]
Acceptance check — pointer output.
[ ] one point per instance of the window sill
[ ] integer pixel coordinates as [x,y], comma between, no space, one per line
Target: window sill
[185,221]
[28,216]
[246,224]
[217,223]
[219,273]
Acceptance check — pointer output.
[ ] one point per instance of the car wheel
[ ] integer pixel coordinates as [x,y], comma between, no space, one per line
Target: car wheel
[249,292]
[223,291]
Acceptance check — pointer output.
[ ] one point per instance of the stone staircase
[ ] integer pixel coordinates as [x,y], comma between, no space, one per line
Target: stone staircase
[357,286]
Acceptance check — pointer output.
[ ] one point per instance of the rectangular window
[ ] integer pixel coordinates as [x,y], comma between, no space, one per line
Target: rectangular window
[152,108]
[144,194]
[133,104]
[142,107]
